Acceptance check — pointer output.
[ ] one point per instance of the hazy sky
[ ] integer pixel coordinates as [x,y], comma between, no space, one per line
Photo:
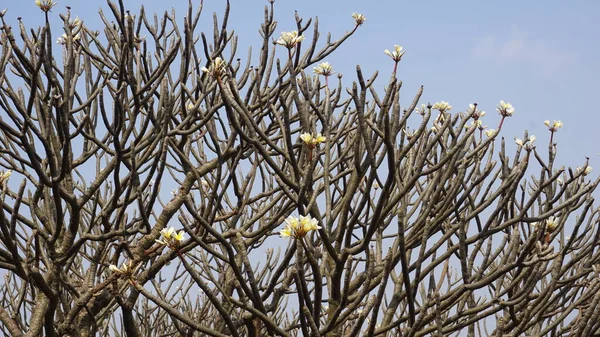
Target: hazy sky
[540,56]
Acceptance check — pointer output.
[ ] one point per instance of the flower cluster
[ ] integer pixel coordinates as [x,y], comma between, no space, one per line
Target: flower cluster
[299,227]
[170,238]
[505,109]
[126,269]
[290,39]
[490,132]
[324,69]
[442,106]
[396,55]
[4,177]
[359,18]
[311,141]
[585,170]
[473,112]
[553,127]
[527,144]
[45,5]
[217,68]
[63,39]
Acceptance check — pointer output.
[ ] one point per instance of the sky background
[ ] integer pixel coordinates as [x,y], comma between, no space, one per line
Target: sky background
[540,56]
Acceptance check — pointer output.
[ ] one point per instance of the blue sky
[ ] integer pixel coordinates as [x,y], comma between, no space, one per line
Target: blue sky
[540,56]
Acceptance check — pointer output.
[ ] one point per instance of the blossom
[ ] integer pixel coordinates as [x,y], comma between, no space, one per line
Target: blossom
[63,39]
[478,124]
[75,23]
[4,177]
[585,170]
[324,69]
[442,106]
[554,126]
[312,141]
[217,68]
[505,109]
[551,223]
[359,18]
[527,144]
[396,55]
[170,238]
[290,39]
[298,227]
[45,5]
[490,132]
[126,268]
[476,114]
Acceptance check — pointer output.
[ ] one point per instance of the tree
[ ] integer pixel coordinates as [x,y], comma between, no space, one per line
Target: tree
[299,207]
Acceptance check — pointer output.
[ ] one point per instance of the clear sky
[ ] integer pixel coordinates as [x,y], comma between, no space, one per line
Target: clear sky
[541,56]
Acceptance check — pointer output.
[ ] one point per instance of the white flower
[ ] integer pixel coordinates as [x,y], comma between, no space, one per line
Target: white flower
[505,109]
[472,110]
[527,144]
[442,106]
[4,177]
[396,55]
[171,238]
[45,5]
[324,69]
[490,132]
[290,39]
[299,227]
[311,141]
[551,223]
[63,39]
[217,68]
[358,18]
[585,171]
[554,126]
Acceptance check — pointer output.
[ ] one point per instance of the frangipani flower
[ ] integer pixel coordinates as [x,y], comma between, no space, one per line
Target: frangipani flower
[551,223]
[396,55]
[442,106]
[505,109]
[585,170]
[527,144]
[554,126]
[170,238]
[4,177]
[45,5]
[358,18]
[290,39]
[126,269]
[324,69]
[217,68]
[297,228]
[63,39]
[490,132]
[476,114]
[312,141]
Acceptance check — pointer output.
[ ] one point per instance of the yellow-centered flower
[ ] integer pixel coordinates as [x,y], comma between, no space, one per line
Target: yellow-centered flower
[45,5]
[312,141]
[505,109]
[359,18]
[297,228]
[171,238]
[4,177]
[324,69]
[553,127]
[217,68]
[442,106]
[290,39]
[396,55]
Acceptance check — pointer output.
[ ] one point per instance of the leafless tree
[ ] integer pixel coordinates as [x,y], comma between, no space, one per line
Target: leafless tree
[155,183]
